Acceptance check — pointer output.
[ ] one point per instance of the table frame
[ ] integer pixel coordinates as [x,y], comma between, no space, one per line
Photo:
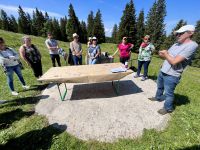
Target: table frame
[115,85]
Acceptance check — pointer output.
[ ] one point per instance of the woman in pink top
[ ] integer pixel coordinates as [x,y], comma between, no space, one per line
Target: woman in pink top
[124,49]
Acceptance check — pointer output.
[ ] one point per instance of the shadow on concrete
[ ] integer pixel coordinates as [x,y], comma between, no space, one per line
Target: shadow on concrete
[35,139]
[103,90]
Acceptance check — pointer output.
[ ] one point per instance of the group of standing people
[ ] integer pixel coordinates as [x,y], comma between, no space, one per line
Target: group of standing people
[175,60]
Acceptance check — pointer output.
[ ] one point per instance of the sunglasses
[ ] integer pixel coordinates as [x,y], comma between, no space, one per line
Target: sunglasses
[146,39]
[179,34]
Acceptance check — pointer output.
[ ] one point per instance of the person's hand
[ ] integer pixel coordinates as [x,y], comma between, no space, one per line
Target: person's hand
[12,57]
[163,53]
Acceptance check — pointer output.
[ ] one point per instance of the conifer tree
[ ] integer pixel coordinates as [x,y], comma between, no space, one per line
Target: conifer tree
[90,24]
[127,25]
[23,22]
[196,60]
[98,29]
[155,26]
[63,23]
[4,20]
[83,35]
[13,26]
[73,24]
[114,34]
[140,27]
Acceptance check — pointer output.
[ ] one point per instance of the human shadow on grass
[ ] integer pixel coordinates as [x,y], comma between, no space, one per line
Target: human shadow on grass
[24,101]
[194,147]
[6,119]
[36,88]
[103,90]
[36,139]
[181,100]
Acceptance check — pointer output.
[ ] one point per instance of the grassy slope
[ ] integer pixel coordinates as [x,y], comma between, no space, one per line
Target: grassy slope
[19,123]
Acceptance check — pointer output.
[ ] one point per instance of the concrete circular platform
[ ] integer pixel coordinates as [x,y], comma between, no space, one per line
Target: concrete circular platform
[95,112]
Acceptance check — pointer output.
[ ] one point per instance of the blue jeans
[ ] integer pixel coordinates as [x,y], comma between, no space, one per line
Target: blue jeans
[92,61]
[166,83]
[146,66]
[9,71]
[77,60]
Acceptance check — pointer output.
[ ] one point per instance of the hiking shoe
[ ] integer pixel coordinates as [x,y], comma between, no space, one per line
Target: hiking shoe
[153,99]
[14,93]
[26,87]
[163,111]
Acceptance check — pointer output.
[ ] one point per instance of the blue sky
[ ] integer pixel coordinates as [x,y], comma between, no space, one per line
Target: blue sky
[111,9]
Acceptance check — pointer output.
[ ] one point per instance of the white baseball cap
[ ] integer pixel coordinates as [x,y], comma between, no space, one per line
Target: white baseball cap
[94,38]
[186,28]
[90,38]
[75,35]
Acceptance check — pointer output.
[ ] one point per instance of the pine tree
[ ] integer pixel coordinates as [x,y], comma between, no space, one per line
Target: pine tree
[48,27]
[155,26]
[23,22]
[114,34]
[83,35]
[73,24]
[98,29]
[39,22]
[140,27]
[13,26]
[4,20]
[127,26]
[34,28]
[196,60]
[56,29]
[63,23]
[90,24]
[171,39]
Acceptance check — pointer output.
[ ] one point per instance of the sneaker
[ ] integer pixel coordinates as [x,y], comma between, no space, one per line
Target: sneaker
[136,76]
[163,111]
[25,87]
[14,93]
[143,79]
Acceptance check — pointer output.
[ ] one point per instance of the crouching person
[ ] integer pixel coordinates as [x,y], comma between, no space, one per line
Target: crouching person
[9,59]
[31,55]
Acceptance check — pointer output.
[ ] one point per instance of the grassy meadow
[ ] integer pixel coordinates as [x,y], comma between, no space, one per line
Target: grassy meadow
[22,128]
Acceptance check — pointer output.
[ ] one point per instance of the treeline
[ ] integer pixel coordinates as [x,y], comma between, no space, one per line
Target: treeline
[40,23]
[135,27]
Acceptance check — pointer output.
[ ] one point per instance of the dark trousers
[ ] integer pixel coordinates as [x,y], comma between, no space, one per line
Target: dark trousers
[54,58]
[124,59]
[37,68]
[146,66]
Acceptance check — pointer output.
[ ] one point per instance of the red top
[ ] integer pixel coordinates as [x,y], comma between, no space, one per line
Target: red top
[124,49]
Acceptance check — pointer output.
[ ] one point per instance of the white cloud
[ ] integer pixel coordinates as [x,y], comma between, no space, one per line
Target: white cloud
[108,31]
[14,11]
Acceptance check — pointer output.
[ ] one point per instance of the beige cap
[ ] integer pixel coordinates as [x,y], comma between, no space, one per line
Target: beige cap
[75,35]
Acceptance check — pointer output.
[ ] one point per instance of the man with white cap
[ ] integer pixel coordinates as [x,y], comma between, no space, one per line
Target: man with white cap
[76,50]
[176,60]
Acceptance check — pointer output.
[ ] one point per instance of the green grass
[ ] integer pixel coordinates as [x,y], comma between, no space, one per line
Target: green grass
[21,128]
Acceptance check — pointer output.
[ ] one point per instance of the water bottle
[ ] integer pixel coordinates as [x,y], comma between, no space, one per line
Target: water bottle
[126,64]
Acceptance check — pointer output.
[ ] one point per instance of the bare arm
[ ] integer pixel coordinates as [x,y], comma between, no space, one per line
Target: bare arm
[172,60]
[115,52]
